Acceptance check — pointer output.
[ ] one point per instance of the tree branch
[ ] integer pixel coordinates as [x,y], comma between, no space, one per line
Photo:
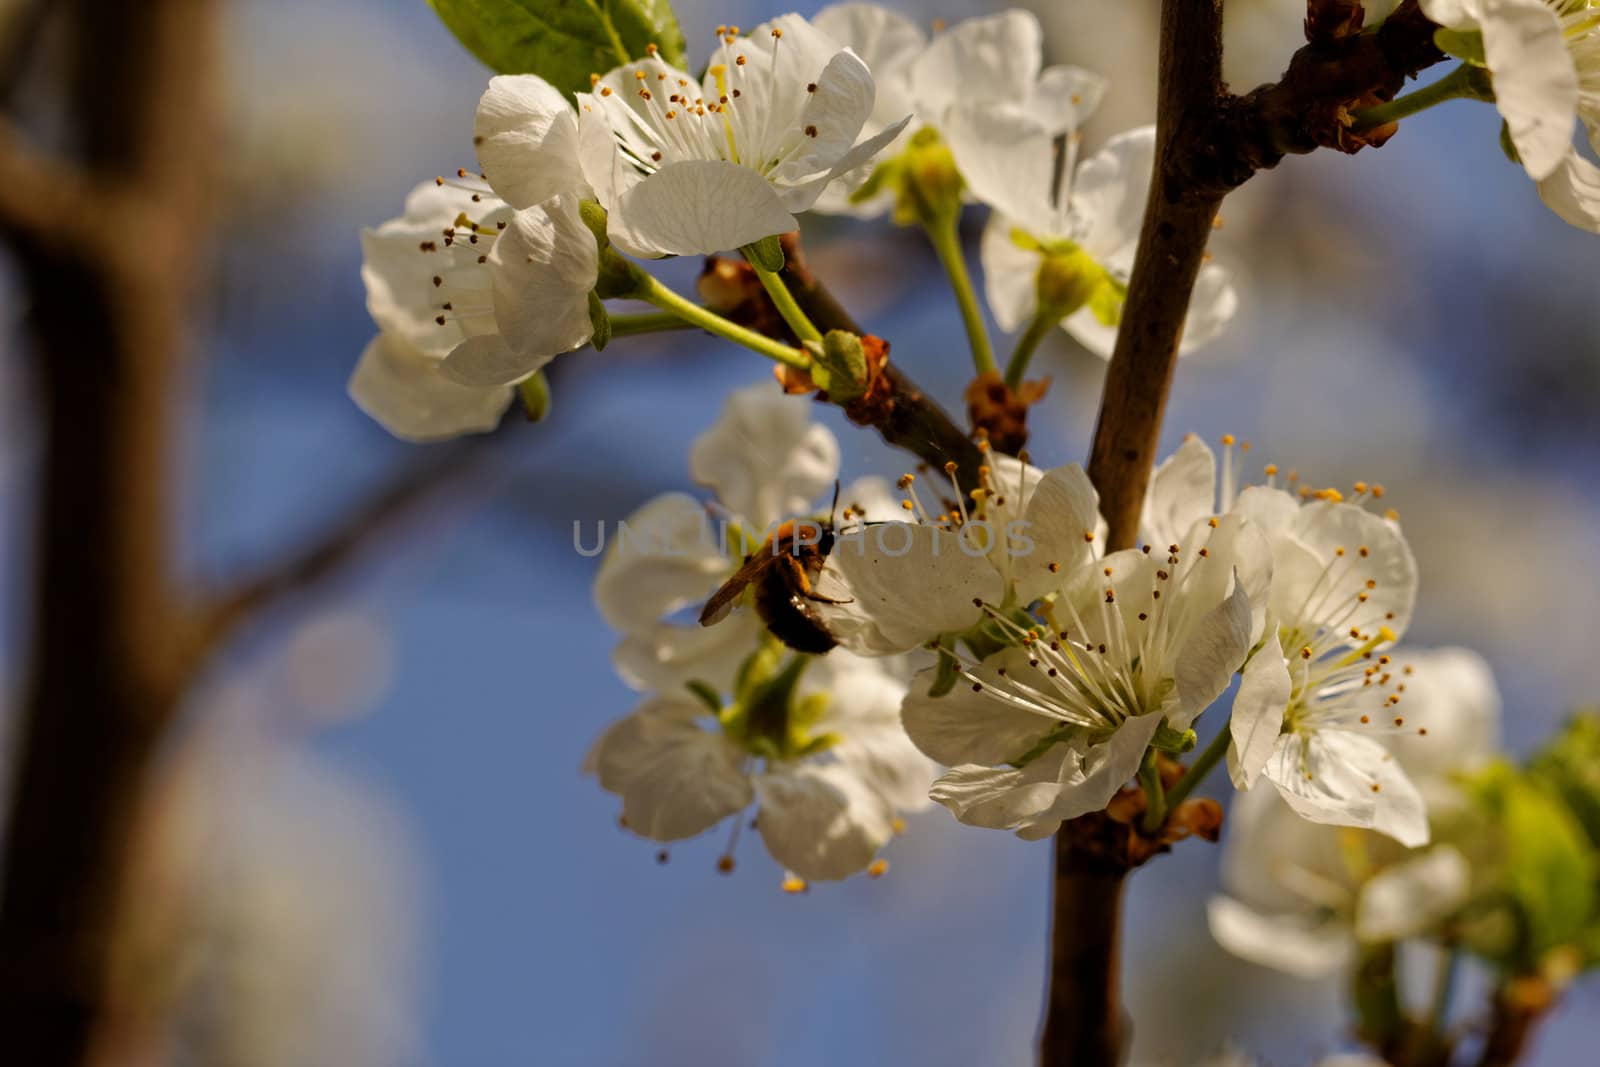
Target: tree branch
[107,314]
[1083,1023]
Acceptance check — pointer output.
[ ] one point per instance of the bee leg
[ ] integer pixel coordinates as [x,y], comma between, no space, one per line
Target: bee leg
[820,599]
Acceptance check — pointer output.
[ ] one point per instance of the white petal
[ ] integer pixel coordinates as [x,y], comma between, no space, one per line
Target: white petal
[398,270]
[1572,190]
[1065,97]
[1006,156]
[1401,812]
[664,557]
[1214,651]
[1183,491]
[1535,80]
[698,207]
[1212,305]
[1272,511]
[675,779]
[1410,898]
[1063,508]
[836,110]
[1329,778]
[887,42]
[527,139]
[1010,274]
[823,823]
[1452,695]
[1104,769]
[405,392]
[764,457]
[995,57]
[964,726]
[1454,14]
[1305,949]
[1109,192]
[1374,551]
[1002,799]
[664,656]
[906,584]
[484,360]
[1257,717]
[608,174]
[543,265]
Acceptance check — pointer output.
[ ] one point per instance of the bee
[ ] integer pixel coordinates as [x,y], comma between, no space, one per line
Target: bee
[783,571]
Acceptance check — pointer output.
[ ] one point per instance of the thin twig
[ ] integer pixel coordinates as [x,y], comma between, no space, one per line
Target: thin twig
[346,540]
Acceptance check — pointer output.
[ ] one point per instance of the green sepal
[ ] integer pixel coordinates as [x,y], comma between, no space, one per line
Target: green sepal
[534,392]
[1508,146]
[767,254]
[844,361]
[946,672]
[1172,741]
[885,173]
[600,322]
[706,694]
[1105,303]
[562,41]
[1466,45]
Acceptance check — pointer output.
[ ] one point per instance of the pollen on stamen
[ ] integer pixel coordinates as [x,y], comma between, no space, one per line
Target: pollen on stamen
[1365,551]
[605,90]
[663,856]
[1270,470]
[1088,536]
[977,687]
[655,157]
[1399,720]
[1305,653]
[811,87]
[1055,568]
[1376,788]
[1365,719]
[724,864]
[878,868]
[793,884]
[1227,440]
[811,131]
[777,31]
[651,49]
[897,825]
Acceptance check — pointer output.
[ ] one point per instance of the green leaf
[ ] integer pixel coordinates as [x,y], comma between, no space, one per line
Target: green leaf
[1548,863]
[562,41]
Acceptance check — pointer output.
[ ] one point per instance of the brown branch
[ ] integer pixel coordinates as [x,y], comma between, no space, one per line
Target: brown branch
[343,543]
[911,419]
[1519,1006]
[1083,1023]
[104,675]
[1309,106]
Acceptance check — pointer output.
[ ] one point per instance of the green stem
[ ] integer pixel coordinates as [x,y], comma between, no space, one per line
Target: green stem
[1030,340]
[784,301]
[1155,810]
[650,322]
[1203,765]
[653,292]
[945,234]
[1466,82]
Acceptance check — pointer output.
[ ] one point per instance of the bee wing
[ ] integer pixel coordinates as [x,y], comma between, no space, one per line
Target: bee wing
[721,602]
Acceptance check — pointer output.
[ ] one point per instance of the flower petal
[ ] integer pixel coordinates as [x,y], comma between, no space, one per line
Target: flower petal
[1007,157]
[1257,717]
[905,584]
[1010,274]
[823,823]
[675,779]
[527,139]
[1065,97]
[1411,898]
[887,43]
[994,57]
[1109,192]
[1183,491]
[1572,190]
[1450,694]
[405,392]
[698,207]
[1063,512]
[661,559]
[1002,799]
[1215,649]
[964,726]
[764,457]
[1300,947]
[1535,80]
[1352,548]
[665,656]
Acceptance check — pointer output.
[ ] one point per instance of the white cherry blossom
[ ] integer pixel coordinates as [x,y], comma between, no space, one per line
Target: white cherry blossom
[988,58]
[1065,232]
[687,167]
[1051,729]
[480,283]
[828,772]
[1543,58]
[1300,897]
[764,461]
[904,584]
